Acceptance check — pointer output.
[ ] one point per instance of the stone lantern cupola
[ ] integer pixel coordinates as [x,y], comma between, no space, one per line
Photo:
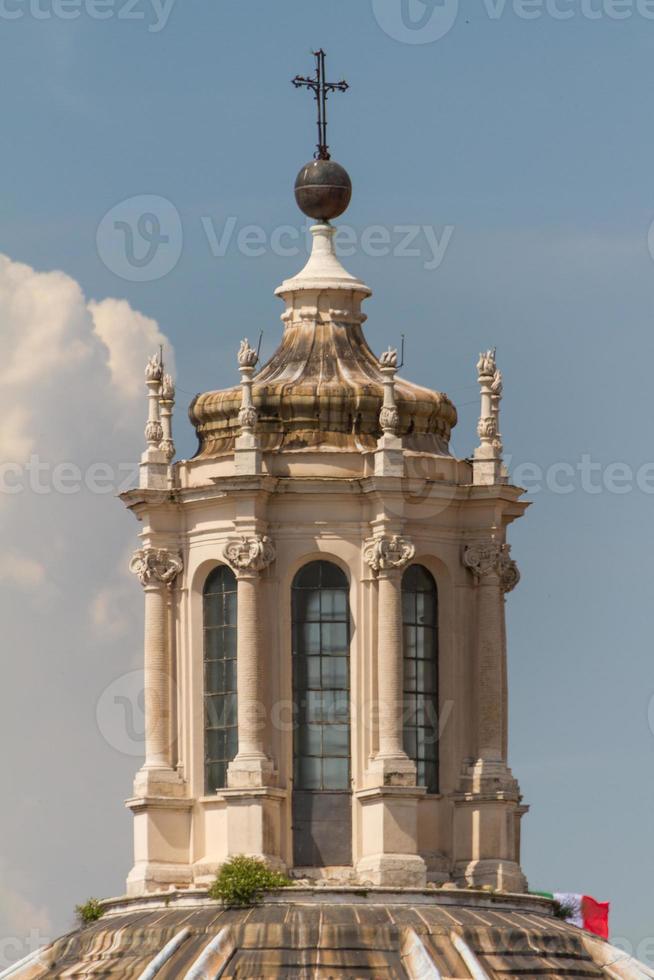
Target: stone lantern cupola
[325,652]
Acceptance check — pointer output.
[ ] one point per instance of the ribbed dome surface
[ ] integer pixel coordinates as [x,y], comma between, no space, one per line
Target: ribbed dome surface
[323,385]
[332,936]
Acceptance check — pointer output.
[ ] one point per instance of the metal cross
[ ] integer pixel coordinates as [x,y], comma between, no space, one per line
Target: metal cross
[320,89]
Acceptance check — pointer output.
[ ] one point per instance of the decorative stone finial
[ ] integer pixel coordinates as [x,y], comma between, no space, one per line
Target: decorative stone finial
[247,356]
[247,359]
[167,402]
[153,377]
[389,358]
[168,388]
[250,554]
[389,417]
[486,365]
[388,552]
[488,468]
[154,369]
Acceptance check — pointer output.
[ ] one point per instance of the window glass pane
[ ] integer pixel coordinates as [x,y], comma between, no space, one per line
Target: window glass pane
[408,607]
[419,604]
[230,609]
[214,711]
[333,605]
[309,773]
[214,676]
[314,706]
[335,740]
[216,776]
[230,709]
[213,644]
[335,774]
[424,608]
[410,666]
[216,745]
[334,639]
[309,639]
[410,742]
[310,740]
[309,576]
[340,707]
[334,672]
[213,610]
[426,675]
[232,743]
[230,675]
[321,677]
[229,642]
[221,735]
[331,576]
[312,673]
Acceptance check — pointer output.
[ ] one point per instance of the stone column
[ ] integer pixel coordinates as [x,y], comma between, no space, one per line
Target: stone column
[157,569]
[249,556]
[488,804]
[388,556]
[495,573]
[389,803]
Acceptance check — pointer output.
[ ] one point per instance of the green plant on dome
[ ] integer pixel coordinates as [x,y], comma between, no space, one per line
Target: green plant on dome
[242,880]
[562,910]
[90,911]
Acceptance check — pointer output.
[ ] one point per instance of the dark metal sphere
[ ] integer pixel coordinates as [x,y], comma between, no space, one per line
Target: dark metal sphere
[323,189]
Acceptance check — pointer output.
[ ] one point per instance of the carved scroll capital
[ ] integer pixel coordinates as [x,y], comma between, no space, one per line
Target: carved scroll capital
[492,558]
[250,554]
[388,552]
[156,566]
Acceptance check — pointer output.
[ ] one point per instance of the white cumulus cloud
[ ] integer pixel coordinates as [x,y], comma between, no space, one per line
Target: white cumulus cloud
[72,397]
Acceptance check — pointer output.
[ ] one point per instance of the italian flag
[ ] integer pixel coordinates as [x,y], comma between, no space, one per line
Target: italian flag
[583,911]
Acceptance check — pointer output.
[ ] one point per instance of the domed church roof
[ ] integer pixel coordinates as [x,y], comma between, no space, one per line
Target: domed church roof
[323,387]
[325,933]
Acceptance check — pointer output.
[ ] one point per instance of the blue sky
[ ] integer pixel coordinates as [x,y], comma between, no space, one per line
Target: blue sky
[532,141]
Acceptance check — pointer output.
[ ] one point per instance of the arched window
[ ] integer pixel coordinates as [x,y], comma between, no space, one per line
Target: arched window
[220,718]
[420,621]
[321,693]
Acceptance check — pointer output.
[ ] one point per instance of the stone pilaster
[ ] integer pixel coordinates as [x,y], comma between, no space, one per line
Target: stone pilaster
[159,806]
[157,570]
[252,767]
[389,806]
[488,805]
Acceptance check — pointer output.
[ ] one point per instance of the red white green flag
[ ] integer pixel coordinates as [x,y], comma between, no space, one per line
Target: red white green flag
[585,912]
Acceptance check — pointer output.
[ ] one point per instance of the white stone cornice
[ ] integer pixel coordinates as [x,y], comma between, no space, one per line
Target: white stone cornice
[156,566]
[250,554]
[385,553]
[492,558]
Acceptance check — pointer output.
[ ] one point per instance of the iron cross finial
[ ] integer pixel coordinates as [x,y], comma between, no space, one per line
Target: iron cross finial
[320,89]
